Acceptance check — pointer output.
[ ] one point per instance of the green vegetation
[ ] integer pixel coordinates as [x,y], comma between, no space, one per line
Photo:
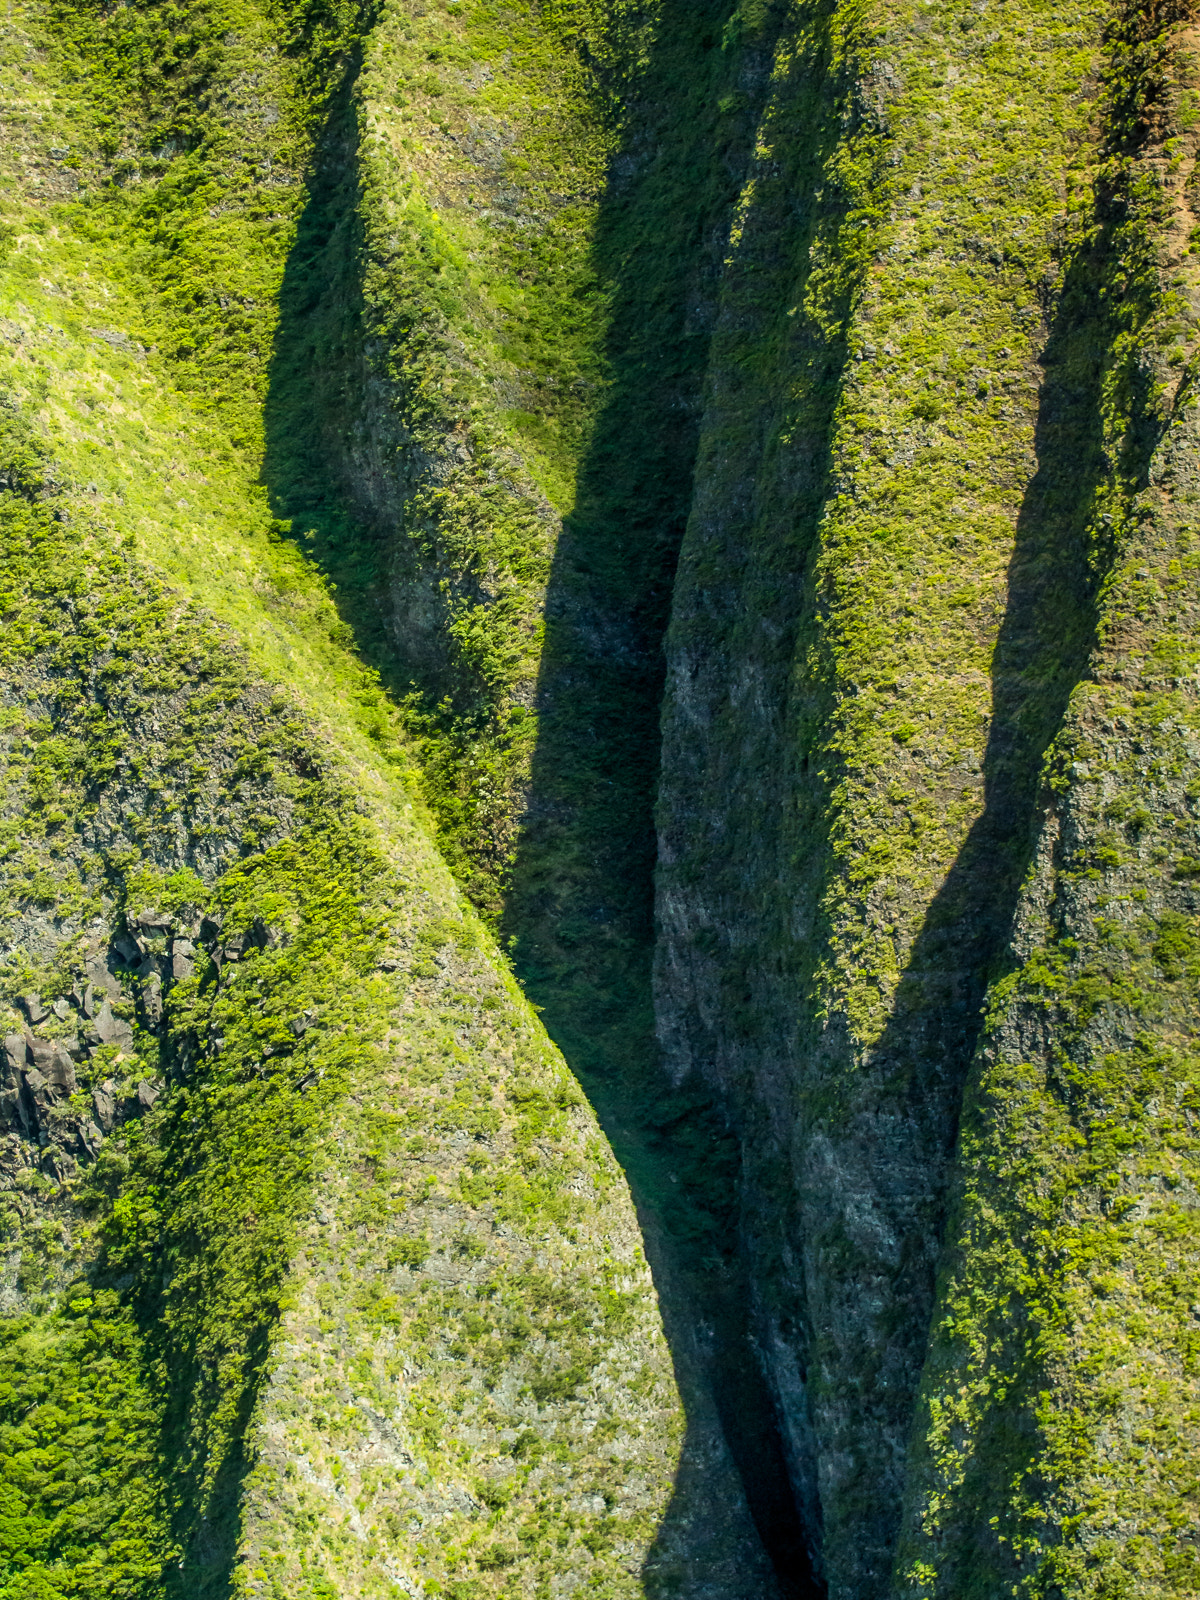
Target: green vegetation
[683,511]
[1047,1429]
[312,1032]
[937,383]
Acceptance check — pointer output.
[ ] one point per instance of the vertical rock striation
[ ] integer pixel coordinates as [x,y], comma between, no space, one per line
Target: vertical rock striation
[931,407]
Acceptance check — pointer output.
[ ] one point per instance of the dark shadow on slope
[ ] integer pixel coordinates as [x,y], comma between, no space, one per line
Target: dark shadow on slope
[579,915]
[206,1502]
[316,369]
[1048,632]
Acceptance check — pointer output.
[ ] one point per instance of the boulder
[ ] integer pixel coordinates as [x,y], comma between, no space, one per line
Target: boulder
[153,922]
[127,948]
[40,1095]
[39,1052]
[14,1113]
[258,936]
[49,1057]
[152,1000]
[61,1072]
[33,1008]
[104,1106]
[90,1139]
[147,1094]
[102,979]
[13,1056]
[112,1030]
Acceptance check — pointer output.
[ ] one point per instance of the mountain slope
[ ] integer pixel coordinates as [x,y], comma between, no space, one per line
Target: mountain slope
[953,373]
[320,1277]
[682,512]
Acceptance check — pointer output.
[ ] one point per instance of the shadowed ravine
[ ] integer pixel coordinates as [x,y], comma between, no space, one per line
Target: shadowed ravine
[579,906]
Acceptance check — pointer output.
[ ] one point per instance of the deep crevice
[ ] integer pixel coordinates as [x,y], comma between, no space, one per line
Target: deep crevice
[579,915]
[583,877]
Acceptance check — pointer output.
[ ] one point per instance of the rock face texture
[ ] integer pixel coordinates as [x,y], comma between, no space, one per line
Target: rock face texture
[943,474]
[684,514]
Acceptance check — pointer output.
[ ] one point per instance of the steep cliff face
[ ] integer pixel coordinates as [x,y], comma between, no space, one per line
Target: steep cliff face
[683,512]
[953,333]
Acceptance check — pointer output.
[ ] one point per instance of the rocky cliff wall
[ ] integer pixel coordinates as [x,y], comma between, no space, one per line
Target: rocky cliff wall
[948,348]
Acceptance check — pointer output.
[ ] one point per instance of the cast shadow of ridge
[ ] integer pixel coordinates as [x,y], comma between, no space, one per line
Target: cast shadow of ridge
[1042,653]
[580,908]
[579,915]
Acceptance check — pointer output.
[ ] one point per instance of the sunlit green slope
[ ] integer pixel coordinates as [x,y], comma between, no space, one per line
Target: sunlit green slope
[319,1277]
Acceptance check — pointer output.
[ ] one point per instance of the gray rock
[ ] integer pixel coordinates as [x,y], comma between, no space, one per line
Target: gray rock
[14,1113]
[40,1053]
[50,1060]
[13,1056]
[102,980]
[127,948]
[61,1008]
[62,1069]
[152,1000]
[104,1106]
[90,1139]
[110,1029]
[33,1008]
[40,1095]
[147,1094]
[153,922]
[258,936]
[181,965]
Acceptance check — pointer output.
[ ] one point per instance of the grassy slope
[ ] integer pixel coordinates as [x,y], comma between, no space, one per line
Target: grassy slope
[139,319]
[441,347]
[467,167]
